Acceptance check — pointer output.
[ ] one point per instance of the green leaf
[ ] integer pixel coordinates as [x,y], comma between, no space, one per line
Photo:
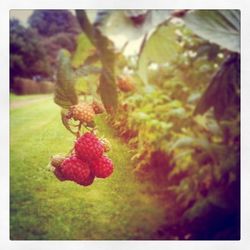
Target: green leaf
[120,23]
[160,47]
[85,24]
[108,92]
[83,53]
[81,86]
[65,94]
[178,112]
[107,87]
[86,70]
[92,58]
[200,207]
[222,92]
[105,48]
[187,142]
[218,26]
[106,51]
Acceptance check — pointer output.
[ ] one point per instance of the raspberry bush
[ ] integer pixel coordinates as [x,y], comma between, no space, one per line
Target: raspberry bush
[175,103]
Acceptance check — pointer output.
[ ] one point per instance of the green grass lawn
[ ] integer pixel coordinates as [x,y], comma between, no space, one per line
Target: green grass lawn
[41,207]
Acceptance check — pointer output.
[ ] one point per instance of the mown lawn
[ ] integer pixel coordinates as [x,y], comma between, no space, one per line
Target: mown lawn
[41,207]
[14,97]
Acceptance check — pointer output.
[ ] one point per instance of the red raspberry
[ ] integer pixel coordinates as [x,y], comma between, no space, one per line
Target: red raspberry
[58,173]
[125,83]
[88,147]
[103,167]
[76,170]
[98,107]
[89,180]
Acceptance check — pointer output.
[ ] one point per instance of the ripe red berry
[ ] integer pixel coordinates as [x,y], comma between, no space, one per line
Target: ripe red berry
[103,167]
[125,83]
[89,180]
[76,170]
[138,20]
[58,173]
[138,17]
[88,147]
[179,13]
[98,107]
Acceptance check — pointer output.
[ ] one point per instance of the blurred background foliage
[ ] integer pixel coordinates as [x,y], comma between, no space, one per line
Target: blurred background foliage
[34,49]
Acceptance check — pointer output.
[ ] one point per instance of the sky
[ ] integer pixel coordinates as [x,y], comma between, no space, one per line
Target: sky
[22,15]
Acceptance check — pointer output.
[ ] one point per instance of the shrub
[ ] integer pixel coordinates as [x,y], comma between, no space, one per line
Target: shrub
[24,86]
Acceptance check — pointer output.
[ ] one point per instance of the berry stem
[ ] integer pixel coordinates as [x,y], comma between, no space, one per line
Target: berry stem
[70,152]
[79,127]
[89,129]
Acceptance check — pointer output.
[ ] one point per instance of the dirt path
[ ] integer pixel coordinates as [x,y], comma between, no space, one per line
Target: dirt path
[22,103]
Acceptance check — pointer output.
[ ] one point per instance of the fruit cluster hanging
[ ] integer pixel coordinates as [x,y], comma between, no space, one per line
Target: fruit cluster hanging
[87,159]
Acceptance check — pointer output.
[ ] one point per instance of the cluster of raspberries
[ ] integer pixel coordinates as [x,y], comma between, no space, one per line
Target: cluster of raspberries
[87,163]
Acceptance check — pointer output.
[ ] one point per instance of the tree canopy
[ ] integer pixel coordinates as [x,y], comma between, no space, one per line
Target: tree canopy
[51,22]
[27,58]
